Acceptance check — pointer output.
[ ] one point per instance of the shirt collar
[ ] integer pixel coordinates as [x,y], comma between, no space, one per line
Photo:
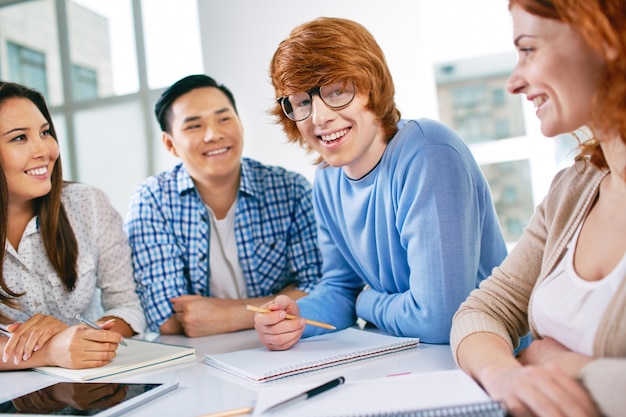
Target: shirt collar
[250,183]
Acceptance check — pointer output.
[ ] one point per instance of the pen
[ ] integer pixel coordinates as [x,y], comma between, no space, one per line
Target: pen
[307,394]
[292,317]
[4,331]
[93,325]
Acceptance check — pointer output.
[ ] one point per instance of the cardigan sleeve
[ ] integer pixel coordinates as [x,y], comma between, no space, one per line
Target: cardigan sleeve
[605,380]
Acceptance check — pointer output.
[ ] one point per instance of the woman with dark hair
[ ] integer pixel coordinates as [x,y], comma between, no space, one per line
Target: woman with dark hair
[565,280]
[65,251]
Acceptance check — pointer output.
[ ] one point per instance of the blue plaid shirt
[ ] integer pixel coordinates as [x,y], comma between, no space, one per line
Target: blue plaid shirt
[168,229]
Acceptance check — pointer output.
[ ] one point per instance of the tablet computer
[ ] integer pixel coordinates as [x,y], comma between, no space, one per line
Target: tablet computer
[102,399]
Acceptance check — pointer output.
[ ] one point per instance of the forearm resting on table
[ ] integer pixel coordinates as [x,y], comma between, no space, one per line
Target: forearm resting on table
[233,312]
[39,358]
[480,354]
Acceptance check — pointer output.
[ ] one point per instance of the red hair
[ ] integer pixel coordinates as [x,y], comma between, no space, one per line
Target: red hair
[600,23]
[327,50]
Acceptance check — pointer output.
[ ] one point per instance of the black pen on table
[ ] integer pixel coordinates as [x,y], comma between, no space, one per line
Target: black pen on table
[93,325]
[300,397]
[307,394]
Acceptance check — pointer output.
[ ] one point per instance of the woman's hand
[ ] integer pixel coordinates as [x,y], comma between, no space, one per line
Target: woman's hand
[544,391]
[80,347]
[30,336]
[548,351]
[534,385]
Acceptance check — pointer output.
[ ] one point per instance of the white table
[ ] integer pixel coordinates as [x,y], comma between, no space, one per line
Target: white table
[203,389]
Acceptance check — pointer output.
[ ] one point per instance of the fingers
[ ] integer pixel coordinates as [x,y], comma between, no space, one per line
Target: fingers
[275,331]
[551,393]
[30,336]
[284,302]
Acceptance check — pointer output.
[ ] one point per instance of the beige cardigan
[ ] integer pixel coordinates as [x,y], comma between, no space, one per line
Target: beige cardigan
[501,305]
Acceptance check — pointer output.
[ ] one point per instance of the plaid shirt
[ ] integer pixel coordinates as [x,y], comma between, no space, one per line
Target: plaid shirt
[168,229]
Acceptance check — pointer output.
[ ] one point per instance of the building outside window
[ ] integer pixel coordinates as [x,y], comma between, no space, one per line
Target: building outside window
[27,66]
[84,83]
[473,101]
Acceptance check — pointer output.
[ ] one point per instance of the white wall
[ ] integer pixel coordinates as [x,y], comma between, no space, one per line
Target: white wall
[240,36]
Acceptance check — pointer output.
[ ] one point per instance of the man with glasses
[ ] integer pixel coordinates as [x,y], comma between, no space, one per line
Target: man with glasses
[218,231]
[406,222]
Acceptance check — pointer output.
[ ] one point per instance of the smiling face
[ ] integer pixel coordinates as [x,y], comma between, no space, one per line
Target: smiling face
[556,70]
[349,137]
[28,152]
[206,134]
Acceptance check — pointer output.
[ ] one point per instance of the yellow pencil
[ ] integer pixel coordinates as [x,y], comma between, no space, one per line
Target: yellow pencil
[292,317]
[230,413]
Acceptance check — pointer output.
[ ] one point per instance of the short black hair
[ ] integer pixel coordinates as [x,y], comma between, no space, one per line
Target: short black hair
[183,86]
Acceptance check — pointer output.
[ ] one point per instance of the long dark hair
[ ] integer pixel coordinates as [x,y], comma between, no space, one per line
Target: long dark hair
[56,231]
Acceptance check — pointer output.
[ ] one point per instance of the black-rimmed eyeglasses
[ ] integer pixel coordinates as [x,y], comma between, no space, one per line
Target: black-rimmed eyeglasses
[298,106]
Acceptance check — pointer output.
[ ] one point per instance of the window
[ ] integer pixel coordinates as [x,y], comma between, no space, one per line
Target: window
[498,97]
[84,83]
[27,66]
[512,194]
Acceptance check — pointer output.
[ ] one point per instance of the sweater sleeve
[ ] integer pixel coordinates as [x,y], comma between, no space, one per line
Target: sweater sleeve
[605,379]
[441,217]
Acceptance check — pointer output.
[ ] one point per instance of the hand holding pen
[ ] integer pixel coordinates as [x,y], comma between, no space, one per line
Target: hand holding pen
[94,326]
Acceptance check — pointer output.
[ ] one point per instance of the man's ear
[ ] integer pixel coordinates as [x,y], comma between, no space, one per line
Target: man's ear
[169,143]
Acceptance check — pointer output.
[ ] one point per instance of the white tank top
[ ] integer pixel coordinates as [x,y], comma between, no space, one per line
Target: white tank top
[568,308]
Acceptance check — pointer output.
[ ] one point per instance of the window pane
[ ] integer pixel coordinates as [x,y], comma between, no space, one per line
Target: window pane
[28,67]
[102,48]
[29,48]
[110,149]
[512,195]
[84,83]
[472,98]
[172,37]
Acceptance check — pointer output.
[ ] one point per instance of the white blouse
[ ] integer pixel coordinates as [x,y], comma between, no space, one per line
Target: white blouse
[568,308]
[105,284]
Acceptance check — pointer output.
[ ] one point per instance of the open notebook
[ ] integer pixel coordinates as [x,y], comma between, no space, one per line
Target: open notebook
[139,355]
[310,354]
[441,393]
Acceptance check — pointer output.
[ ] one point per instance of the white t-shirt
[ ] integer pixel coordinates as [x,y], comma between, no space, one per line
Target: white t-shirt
[226,277]
[569,308]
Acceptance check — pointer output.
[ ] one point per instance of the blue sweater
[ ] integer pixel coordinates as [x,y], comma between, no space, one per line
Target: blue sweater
[420,229]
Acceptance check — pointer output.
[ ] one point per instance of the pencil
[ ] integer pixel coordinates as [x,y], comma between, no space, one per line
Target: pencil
[229,413]
[292,317]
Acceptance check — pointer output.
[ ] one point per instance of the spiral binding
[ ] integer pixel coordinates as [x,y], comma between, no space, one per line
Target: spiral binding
[484,409]
[338,360]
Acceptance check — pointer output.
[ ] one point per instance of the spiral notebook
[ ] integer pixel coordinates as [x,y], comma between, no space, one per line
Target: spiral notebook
[430,394]
[310,354]
[138,356]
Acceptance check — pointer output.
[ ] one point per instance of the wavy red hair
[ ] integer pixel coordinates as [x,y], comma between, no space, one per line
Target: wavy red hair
[601,24]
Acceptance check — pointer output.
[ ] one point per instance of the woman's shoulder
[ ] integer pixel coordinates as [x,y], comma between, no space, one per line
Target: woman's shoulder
[79,195]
